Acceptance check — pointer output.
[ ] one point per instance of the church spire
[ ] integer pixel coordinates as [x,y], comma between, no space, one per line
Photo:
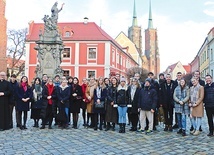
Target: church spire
[150,25]
[134,21]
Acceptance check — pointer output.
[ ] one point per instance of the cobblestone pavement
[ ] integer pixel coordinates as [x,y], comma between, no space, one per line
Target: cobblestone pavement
[87,141]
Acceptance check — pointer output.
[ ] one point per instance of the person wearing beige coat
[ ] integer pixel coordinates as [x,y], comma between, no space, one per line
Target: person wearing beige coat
[196,105]
[90,97]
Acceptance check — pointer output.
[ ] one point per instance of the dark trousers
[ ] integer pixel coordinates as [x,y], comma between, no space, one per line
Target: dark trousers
[20,118]
[11,107]
[96,119]
[134,120]
[168,115]
[49,116]
[210,115]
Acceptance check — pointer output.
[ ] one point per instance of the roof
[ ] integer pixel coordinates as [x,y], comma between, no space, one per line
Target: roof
[187,68]
[10,62]
[80,31]
[171,67]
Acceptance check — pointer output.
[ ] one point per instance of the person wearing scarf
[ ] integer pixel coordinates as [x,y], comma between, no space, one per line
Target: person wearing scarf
[24,94]
[100,94]
[49,96]
[196,105]
[181,98]
[133,94]
[63,95]
[36,102]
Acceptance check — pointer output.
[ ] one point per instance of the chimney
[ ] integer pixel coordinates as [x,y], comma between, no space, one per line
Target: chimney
[85,20]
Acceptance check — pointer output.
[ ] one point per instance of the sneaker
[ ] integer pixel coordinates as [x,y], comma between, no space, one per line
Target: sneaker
[192,132]
[183,133]
[141,130]
[149,131]
[191,129]
[196,133]
[179,131]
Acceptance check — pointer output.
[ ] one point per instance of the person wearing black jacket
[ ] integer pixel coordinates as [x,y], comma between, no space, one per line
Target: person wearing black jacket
[49,97]
[12,100]
[166,101]
[147,105]
[209,102]
[133,95]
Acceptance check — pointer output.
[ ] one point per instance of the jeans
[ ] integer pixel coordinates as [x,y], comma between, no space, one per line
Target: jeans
[67,114]
[196,122]
[181,121]
[122,114]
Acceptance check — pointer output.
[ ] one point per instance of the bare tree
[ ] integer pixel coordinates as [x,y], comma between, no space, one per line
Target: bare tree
[16,50]
[131,72]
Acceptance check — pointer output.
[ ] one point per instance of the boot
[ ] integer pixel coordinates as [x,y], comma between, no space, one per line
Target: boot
[124,127]
[170,128]
[121,128]
[180,131]
[166,128]
[108,126]
[113,126]
[183,132]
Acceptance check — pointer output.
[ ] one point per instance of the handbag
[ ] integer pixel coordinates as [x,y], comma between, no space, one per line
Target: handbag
[99,105]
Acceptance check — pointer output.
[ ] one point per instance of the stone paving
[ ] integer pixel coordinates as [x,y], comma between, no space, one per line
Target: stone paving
[84,141]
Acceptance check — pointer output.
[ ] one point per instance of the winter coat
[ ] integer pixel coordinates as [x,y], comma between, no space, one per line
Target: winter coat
[165,97]
[90,92]
[102,98]
[75,101]
[181,95]
[209,95]
[45,101]
[63,97]
[147,99]
[111,112]
[13,87]
[122,96]
[198,110]
[134,102]
[21,105]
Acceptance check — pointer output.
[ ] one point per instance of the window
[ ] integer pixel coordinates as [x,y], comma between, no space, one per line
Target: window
[66,73]
[113,56]
[92,53]
[207,54]
[67,34]
[121,60]
[211,54]
[211,72]
[91,74]
[117,58]
[66,53]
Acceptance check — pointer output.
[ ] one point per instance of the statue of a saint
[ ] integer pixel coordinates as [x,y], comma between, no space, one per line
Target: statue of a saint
[55,11]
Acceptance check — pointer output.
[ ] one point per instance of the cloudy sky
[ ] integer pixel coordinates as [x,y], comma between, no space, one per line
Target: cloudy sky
[182,24]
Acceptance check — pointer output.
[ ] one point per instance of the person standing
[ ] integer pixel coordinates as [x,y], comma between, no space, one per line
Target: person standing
[99,98]
[63,95]
[196,105]
[84,100]
[49,96]
[133,93]
[111,111]
[12,100]
[36,102]
[122,101]
[209,102]
[75,101]
[90,97]
[166,101]
[181,98]
[4,100]
[24,95]
[44,79]
[146,105]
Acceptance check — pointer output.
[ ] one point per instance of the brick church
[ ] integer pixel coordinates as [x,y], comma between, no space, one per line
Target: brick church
[3,36]
[150,59]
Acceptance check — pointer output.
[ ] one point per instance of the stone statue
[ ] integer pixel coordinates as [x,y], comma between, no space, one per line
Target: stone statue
[55,11]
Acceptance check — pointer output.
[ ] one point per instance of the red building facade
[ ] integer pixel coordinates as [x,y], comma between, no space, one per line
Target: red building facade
[88,51]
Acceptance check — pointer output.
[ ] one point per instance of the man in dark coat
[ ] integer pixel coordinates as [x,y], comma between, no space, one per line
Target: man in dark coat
[166,101]
[4,102]
[209,102]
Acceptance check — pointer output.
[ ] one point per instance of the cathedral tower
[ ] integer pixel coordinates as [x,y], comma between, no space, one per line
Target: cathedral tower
[151,46]
[3,37]
[134,32]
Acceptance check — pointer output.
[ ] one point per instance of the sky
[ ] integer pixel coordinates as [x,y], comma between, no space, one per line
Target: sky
[182,25]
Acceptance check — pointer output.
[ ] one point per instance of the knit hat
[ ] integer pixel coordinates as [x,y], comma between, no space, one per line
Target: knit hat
[149,80]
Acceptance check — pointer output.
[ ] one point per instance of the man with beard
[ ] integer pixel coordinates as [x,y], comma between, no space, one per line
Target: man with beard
[4,102]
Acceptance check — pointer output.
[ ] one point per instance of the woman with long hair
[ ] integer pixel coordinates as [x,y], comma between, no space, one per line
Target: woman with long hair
[111,111]
[36,102]
[133,93]
[196,105]
[24,94]
[99,98]
[75,101]
[49,96]
[181,98]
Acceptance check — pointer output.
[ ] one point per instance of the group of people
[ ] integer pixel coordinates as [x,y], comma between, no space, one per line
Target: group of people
[106,102]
